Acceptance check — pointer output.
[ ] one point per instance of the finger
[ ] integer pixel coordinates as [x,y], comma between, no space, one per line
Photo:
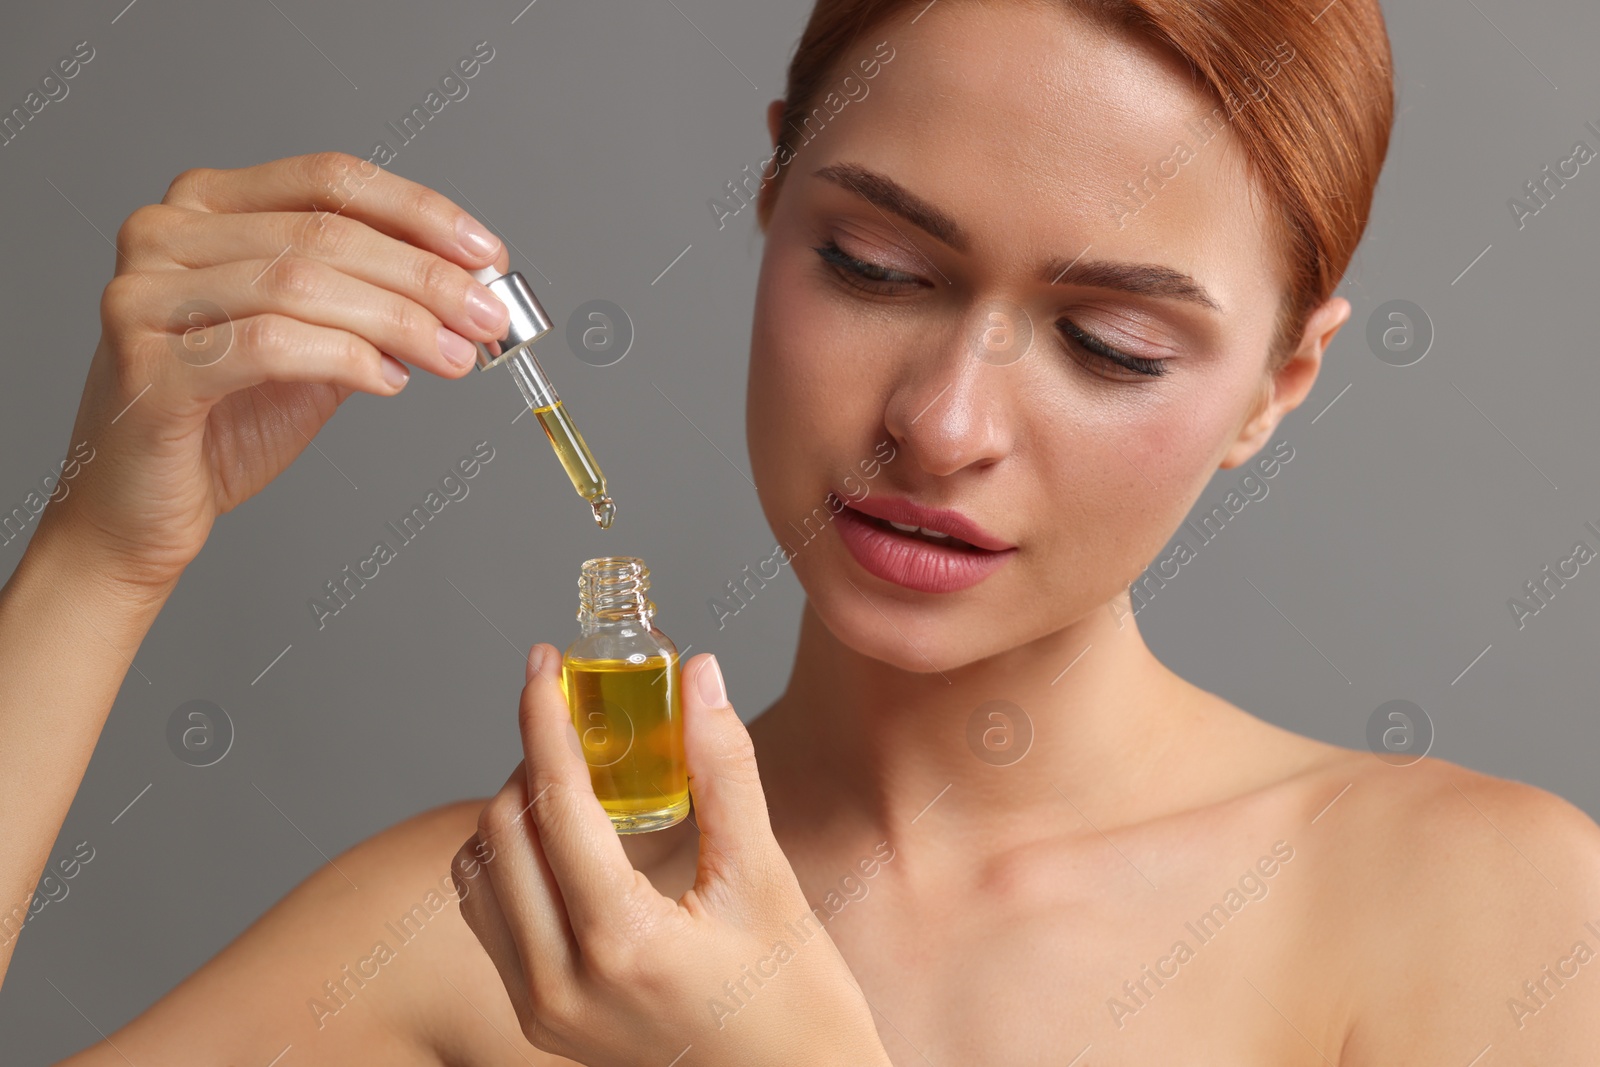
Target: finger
[736,842]
[314,292]
[581,845]
[335,182]
[484,915]
[161,237]
[229,356]
[535,911]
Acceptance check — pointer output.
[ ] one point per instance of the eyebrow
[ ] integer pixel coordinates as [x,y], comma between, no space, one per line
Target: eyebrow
[1147,279]
[1143,279]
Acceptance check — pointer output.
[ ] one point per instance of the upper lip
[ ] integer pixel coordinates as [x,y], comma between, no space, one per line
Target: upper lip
[944,520]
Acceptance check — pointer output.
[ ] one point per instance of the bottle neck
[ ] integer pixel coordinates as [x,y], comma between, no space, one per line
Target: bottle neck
[612,594]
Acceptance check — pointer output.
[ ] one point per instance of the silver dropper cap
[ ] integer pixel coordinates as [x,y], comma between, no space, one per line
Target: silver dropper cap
[528,320]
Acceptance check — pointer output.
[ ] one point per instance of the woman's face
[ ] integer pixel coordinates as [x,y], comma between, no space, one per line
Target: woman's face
[1015,130]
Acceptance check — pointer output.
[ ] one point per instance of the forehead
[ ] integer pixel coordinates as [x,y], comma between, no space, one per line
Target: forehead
[1040,132]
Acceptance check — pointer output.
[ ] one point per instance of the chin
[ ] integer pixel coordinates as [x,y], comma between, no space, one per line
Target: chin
[921,633]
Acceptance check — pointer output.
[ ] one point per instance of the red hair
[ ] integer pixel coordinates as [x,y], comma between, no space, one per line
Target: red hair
[1315,143]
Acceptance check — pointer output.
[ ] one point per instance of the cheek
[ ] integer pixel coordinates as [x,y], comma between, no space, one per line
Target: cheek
[813,379]
[775,402]
[1119,470]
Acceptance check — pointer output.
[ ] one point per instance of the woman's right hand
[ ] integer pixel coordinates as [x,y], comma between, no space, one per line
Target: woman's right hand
[246,307]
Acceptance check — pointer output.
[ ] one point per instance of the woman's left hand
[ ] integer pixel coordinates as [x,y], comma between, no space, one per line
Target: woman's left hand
[604,969]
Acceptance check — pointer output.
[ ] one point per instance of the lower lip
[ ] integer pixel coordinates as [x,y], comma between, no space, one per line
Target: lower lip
[912,562]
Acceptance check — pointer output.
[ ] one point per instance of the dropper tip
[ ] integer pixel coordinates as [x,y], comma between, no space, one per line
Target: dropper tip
[604,511]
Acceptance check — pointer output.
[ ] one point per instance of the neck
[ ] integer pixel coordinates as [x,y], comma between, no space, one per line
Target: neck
[857,746]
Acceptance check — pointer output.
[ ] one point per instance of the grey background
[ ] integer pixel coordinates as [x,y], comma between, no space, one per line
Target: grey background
[1415,505]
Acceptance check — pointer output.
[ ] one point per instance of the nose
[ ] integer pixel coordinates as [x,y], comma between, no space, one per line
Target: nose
[954,406]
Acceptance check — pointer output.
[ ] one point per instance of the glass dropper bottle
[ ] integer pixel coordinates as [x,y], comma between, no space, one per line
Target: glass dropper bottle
[621,678]
[529,323]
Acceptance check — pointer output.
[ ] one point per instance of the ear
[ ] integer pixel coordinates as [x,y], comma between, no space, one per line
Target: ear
[1282,391]
[769,190]
[774,116]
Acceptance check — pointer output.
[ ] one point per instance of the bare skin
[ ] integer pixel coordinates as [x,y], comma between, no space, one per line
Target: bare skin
[1369,914]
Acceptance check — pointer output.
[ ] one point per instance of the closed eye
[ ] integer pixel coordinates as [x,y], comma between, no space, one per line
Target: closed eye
[850,265]
[872,277]
[1151,368]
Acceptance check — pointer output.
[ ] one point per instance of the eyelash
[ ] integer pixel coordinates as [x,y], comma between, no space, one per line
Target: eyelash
[1150,368]
[832,253]
[847,264]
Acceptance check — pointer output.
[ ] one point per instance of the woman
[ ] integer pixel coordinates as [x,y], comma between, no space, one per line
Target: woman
[1062,262]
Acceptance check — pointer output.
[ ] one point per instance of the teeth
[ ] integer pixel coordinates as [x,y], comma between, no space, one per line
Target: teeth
[917,529]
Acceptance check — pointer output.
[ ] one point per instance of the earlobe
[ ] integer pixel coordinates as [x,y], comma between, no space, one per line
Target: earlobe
[1285,389]
[1257,428]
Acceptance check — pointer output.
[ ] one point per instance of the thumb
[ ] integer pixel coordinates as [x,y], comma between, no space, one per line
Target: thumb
[736,843]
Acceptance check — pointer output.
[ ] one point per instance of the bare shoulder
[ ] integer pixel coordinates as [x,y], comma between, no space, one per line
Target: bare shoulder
[1461,911]
[365,961]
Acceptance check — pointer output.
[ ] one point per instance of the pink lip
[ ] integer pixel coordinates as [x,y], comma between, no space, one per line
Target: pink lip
[914,563]
[894,509]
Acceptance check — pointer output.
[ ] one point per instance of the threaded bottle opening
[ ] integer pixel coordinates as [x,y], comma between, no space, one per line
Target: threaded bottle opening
[612,589]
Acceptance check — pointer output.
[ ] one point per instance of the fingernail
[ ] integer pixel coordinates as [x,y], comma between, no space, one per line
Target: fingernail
[394,372]
[455,348]
[474,238]
[486,309]
[536,658]
[712,690]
